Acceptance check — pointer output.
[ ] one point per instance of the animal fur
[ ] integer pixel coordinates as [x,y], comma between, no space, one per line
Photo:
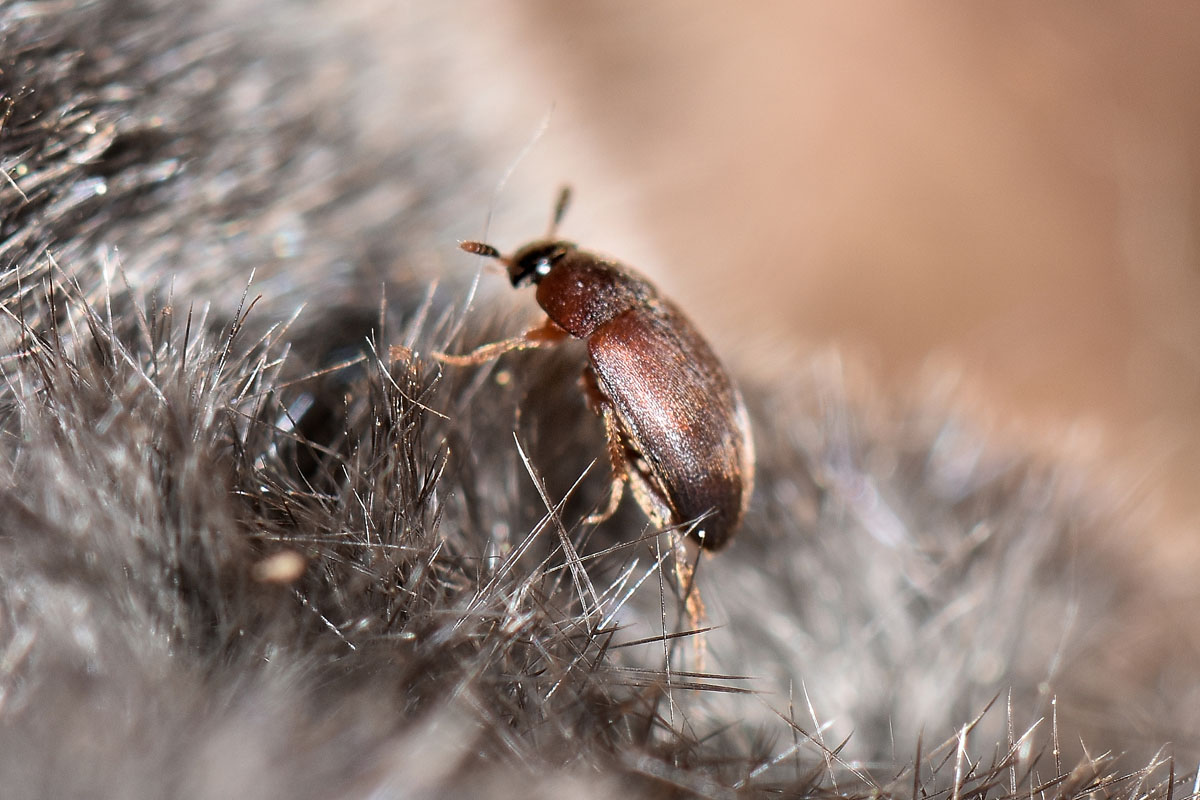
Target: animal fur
[254,541]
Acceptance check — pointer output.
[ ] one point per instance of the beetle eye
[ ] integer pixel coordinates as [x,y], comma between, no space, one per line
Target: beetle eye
[534,261]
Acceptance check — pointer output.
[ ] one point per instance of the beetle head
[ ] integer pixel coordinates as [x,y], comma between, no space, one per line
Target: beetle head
[535,260]
[529,264]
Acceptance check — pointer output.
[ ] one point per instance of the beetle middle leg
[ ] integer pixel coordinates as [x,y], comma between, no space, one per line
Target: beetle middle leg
[544,335]
[616,445]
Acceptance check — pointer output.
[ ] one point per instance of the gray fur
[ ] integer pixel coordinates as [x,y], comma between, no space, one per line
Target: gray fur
[170,426]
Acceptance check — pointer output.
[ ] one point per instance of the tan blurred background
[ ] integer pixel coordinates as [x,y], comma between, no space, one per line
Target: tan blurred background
[1011,187]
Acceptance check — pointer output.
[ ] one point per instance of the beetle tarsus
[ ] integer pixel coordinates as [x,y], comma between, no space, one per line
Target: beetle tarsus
[485,353]
[614,502]
[693,603]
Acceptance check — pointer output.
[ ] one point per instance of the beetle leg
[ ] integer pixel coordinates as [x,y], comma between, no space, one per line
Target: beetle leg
[685,576]
[616,457]
[543,335]
[616,446]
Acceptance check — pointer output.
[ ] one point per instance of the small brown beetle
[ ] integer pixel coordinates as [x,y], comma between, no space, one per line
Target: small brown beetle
[677,429]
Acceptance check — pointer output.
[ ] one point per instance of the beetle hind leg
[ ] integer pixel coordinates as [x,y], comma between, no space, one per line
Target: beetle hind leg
[685,577]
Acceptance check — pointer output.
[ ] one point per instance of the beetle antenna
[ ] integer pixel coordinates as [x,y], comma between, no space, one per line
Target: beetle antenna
[560,210]
[481,249]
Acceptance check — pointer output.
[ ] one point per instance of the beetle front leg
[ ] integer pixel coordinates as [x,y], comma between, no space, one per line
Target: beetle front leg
[543,335]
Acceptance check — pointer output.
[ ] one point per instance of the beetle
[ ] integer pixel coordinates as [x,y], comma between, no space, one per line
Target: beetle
[677,430]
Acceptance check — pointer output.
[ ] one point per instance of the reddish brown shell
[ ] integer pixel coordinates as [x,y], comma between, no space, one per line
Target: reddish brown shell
[679,412]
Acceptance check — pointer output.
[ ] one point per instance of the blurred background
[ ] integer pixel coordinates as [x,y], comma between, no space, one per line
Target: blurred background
[1007,191]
